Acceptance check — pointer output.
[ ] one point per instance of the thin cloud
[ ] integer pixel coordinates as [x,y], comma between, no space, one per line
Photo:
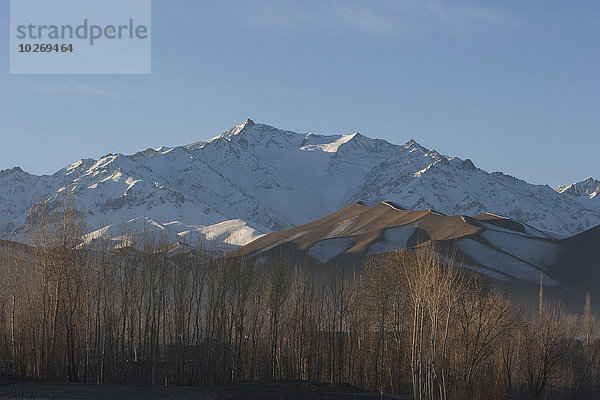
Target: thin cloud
[361,17]
[461,15]
[377,16]
[76,88]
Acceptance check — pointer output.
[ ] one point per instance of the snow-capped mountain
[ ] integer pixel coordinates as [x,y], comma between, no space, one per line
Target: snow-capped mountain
[589,187]
[586,191]
[254,179]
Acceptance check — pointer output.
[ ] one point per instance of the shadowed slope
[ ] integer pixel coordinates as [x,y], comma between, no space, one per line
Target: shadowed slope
[499,248]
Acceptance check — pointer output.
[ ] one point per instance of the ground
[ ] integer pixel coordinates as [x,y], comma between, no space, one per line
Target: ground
[57,391]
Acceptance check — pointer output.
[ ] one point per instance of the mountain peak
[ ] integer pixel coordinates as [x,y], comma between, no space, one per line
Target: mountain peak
[227,135]
[588,187]
[239,128]
[12,171]
[413,145]
[236,130]
[468,165]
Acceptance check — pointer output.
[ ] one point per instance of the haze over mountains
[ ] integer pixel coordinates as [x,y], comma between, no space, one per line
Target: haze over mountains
[254,179]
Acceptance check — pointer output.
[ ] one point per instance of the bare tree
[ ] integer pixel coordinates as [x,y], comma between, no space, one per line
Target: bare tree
[433,289]
[483,319]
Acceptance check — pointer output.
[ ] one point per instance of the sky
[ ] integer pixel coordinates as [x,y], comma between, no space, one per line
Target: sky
[512,85]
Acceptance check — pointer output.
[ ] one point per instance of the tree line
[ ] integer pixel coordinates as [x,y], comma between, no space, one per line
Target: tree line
[402,322]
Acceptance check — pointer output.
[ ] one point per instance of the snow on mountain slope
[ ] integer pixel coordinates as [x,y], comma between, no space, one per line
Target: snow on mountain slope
[254,178]
[586,191]
[500,248]
[423,179]
[589,187]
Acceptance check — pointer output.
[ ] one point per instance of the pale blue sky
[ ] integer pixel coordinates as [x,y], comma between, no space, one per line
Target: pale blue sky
[513,85]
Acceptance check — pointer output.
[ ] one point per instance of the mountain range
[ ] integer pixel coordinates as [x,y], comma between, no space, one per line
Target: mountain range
[254,179]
